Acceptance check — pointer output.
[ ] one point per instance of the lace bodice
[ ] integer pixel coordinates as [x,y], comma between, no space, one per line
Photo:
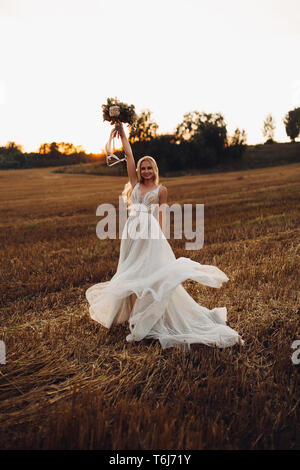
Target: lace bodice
[143,201]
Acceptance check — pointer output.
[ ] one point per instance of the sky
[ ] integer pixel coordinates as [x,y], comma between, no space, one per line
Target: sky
[62,59]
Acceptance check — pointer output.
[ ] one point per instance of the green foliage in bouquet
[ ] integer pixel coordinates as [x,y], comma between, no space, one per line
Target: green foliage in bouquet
[114,111]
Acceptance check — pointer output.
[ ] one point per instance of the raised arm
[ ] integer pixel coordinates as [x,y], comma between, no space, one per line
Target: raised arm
[131,170]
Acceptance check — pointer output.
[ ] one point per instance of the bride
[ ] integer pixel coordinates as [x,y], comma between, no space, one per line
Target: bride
[146,289]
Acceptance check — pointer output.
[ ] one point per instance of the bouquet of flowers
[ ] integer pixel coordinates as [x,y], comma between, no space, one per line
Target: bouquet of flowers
[114,111]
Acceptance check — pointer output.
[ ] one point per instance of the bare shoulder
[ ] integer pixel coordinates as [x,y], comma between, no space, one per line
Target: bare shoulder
[163,194]
[163,189]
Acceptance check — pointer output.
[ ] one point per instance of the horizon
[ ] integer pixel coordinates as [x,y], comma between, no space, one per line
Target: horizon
[101,152]
[63,59]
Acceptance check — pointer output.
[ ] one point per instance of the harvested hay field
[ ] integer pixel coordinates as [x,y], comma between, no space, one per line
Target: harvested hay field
[68,383]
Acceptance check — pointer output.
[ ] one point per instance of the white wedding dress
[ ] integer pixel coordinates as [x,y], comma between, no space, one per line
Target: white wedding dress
[163,309]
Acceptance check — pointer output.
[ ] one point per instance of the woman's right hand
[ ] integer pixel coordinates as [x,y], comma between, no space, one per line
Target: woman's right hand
[119,128]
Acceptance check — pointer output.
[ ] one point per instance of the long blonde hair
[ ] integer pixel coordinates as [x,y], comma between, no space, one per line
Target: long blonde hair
[127,191]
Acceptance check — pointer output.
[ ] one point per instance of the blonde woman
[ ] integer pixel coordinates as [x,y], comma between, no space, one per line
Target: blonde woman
[146,290]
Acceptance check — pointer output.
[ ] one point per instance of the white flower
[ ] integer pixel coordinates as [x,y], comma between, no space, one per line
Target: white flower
[114,111]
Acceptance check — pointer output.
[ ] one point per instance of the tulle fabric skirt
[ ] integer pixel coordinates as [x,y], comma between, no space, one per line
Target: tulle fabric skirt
[163,309]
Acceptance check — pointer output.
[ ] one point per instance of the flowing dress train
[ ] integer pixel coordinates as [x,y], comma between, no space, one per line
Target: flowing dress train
[163,309]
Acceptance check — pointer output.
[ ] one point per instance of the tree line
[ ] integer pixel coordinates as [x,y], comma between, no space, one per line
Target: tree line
[49,154]
[201,140]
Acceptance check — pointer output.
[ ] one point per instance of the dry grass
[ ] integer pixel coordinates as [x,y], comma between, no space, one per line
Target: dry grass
[70,384]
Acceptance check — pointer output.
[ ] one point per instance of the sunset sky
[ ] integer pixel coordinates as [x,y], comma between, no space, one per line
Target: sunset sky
[61,59]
